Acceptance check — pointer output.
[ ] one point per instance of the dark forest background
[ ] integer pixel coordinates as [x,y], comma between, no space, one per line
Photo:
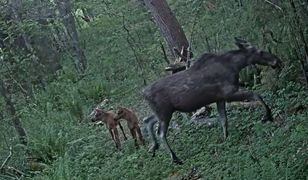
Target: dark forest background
[59,59]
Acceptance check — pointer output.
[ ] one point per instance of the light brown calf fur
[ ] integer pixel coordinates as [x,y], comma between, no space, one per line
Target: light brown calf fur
[132,123]
[108,117]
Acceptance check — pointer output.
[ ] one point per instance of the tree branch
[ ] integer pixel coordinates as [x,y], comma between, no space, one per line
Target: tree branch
[16,121]
[128,37]
[6,159]
[273,4]
[164,52]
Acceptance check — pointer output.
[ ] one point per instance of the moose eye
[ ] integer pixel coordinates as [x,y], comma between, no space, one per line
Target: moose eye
[97,113]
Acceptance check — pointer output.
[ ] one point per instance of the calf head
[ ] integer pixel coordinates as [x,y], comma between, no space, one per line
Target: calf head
[258,56]
[121,113]
[97,115]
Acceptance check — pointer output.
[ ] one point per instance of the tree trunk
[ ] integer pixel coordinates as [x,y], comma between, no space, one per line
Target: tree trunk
[169,26]
[68,21]
[23,42]
[298,29]
[21,133]
[173,34]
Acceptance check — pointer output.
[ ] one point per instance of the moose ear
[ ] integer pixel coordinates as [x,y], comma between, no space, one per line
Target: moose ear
[243,44]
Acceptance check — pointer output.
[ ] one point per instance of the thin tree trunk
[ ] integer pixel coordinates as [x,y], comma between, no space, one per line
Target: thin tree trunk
[16,8]
[21,132]
[68,21]
[172,32]
[131,45]
[168,25]
[300,32]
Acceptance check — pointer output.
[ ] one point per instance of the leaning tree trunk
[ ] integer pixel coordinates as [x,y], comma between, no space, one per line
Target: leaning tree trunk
[21,133]
[170,29]
[173,34]
[68,21]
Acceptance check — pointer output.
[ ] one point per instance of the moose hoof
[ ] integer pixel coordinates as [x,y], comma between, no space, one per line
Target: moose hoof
[225,136]
[153,148]
[267,118]
[177,161]
[136,146]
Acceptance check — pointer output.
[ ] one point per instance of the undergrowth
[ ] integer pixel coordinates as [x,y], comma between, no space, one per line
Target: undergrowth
[68,146]
[276,150]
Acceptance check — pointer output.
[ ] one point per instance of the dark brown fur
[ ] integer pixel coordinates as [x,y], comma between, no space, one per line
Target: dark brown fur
[132,123]
[212,79]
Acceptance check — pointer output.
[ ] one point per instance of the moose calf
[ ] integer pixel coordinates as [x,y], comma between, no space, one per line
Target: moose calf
[132,123]
[108,117]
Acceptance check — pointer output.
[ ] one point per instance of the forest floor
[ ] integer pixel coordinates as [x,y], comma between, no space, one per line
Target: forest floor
[276,150]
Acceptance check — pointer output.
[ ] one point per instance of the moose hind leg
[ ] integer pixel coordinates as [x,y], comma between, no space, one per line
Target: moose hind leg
[150,122]
[221,108]
[163,128]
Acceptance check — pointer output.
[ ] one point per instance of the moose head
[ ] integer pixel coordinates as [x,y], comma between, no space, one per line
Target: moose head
[97,114]
[258,56]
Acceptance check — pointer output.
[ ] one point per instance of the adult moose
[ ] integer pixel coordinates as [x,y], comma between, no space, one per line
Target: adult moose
[211,79]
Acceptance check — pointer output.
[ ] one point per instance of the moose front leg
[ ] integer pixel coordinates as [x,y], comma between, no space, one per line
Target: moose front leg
[113,137]
[116,138]
[121,127]
[268,113]
[221,108]
[140,135]
[133,133]
[248,95]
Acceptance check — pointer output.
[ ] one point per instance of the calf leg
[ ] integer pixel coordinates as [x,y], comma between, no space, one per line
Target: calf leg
[116,137]
[150,121]
[121,127]
[113,138]
[248,95]
[221,107]
[133,132]
[140,135]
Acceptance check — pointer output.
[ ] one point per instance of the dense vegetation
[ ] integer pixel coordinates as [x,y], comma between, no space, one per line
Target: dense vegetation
[123,51]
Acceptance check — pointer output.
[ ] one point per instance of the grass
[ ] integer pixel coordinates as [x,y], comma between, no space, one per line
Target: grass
[74,148]
[253,150]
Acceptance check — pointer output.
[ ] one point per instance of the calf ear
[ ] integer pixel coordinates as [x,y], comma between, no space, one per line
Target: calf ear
[97,109]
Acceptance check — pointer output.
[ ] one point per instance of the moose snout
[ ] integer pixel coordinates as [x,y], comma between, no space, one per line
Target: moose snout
[277,64]
[93,119]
